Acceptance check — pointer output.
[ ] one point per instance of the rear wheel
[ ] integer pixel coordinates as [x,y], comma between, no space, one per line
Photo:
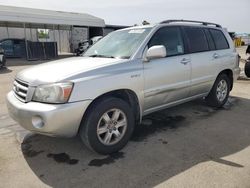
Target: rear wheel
[108,125]
[247,69]
[220,91]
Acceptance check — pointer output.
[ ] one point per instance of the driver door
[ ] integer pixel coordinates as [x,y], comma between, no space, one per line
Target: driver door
[167,80]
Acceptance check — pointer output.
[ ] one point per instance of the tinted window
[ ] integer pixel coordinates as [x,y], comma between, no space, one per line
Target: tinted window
[7,43]
[17,41]
[219,39]
[209,40]
[196,39]
[171,38]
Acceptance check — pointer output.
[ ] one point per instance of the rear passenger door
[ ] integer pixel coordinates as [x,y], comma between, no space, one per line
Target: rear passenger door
[203,60]
[224,55]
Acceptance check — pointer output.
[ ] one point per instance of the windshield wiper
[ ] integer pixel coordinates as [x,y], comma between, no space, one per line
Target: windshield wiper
[105,56]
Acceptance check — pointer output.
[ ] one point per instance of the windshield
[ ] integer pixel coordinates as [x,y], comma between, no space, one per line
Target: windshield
[119,44]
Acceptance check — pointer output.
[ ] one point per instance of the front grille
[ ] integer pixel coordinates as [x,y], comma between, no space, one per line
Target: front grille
[21,90]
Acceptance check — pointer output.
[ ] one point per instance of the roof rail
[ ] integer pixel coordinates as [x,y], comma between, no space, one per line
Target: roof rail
[190,21]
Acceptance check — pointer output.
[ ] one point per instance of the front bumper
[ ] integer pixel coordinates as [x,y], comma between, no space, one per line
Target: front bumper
[48,119]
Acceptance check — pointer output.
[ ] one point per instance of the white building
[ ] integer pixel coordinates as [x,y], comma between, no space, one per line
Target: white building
[65,28]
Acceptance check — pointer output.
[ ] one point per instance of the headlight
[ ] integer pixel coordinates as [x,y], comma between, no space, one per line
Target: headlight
[53,93]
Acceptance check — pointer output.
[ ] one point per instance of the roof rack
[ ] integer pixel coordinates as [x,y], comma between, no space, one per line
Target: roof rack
[190,21]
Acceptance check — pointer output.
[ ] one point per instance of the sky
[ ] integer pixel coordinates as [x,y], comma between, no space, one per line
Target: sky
[232,14]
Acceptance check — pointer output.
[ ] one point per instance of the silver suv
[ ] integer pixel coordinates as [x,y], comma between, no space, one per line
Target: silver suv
[130,73]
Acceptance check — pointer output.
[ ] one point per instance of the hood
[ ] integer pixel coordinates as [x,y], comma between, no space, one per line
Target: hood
[59,70]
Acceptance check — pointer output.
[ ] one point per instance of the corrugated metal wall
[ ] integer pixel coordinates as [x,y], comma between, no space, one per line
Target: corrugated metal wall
[79,34]
[18,33]
[67,40]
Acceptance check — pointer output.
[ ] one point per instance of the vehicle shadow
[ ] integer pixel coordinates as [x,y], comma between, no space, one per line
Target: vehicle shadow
[5,70]
[165,144]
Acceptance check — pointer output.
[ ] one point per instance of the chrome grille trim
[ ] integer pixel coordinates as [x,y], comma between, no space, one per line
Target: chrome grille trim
[25,88]
[21,90]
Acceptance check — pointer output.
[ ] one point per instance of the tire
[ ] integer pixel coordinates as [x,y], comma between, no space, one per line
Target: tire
[216,98]
[96,120]
[247,69]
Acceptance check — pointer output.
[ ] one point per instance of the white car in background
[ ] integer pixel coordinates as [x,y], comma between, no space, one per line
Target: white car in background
[94,40]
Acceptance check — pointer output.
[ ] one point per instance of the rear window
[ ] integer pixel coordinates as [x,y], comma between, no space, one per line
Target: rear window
[196,39]
[219,39]
[209,40]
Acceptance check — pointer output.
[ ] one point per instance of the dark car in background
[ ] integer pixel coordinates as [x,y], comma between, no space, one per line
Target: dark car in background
[13,47]
[36,50]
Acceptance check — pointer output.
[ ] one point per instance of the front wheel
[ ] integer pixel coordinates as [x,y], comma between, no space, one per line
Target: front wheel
[220,91]
[108,125]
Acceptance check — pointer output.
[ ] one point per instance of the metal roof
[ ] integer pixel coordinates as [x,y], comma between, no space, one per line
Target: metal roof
[18,15]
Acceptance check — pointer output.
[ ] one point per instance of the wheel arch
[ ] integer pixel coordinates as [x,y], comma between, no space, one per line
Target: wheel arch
[127,95]
[229,73]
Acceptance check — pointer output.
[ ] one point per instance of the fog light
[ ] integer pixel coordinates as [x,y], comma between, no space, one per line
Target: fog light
[37,122]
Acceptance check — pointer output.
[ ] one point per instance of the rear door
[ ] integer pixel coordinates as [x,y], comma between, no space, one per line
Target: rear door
[202,60]
[223,53]
[167,79]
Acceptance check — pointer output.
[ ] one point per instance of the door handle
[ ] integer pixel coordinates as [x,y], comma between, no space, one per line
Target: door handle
[215,56]
[185,61]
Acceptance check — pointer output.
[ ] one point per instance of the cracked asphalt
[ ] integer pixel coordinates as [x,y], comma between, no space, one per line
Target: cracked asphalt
[190,145]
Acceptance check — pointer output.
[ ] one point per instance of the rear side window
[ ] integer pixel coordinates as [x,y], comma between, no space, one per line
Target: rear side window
[196,39]
[209,40]
[171,38]
[219,39]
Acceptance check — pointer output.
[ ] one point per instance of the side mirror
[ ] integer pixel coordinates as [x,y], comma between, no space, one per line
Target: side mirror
[155,52]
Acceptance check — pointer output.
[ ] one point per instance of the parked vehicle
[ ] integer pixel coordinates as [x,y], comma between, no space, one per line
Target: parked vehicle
[2,58]
[94,40]
[13,47]
[126,75]
[247,67]
[82,47]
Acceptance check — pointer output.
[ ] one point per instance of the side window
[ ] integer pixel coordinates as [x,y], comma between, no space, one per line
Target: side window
[16,42]
[196,39]
[7,43]
[171,38]
[209,40]
[219,39]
